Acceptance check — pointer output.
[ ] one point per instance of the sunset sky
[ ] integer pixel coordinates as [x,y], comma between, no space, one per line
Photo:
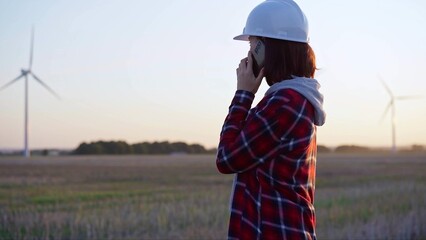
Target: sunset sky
[139,70]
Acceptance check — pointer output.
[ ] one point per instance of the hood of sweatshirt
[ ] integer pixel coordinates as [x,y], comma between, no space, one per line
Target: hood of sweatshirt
[309,88]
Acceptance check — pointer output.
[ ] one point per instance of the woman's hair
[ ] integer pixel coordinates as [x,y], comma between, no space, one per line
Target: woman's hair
[285,59]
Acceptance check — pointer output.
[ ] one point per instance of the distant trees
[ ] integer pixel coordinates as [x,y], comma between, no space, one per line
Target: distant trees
[121,147]
[165,147]
[351,149]
[323,149]
[417,148]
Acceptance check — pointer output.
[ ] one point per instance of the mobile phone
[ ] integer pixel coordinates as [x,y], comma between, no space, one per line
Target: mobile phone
[258,56]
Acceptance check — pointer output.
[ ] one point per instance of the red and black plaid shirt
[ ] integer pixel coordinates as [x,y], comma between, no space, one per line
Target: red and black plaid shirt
[272,148]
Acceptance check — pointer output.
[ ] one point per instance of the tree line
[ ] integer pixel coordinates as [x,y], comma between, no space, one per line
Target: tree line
[166,147]
[364,149]
[121,147]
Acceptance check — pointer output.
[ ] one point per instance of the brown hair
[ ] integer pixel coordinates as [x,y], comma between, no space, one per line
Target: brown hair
[285,59]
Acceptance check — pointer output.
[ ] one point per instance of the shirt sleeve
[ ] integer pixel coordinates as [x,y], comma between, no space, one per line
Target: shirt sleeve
[247,140]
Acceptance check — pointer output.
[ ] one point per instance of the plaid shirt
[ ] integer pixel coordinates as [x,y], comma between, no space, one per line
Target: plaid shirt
[272,148]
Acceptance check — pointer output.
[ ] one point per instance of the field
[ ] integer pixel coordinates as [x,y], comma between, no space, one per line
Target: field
[366,196]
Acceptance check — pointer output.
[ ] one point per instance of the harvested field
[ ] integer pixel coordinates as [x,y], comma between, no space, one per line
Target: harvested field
[366,196]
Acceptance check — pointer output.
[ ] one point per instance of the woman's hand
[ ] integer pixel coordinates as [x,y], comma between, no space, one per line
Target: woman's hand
[245,77]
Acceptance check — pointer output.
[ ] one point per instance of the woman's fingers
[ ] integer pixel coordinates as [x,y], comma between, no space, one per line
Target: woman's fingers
[243,63]
[249,60]
[261,75]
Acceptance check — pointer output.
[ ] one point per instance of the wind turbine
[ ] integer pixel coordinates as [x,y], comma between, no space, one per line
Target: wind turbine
[391,106]
[24,74]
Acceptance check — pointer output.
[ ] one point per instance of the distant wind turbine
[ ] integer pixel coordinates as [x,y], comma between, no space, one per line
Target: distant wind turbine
[391,106]
[25,73]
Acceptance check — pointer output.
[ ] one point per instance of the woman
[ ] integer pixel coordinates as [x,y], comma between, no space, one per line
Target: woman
[272,147]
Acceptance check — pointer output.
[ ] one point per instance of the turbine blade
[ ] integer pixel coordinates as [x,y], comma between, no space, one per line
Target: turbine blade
[386,111]
[386,86]
[45,86]
[31,48]
[408,97]
[11,82]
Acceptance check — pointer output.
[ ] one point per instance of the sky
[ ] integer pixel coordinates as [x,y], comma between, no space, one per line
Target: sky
[139,70]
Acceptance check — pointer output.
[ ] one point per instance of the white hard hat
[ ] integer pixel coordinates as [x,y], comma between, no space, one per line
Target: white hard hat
[279,19]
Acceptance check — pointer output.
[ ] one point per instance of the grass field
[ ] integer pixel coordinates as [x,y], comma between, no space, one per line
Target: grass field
[184,197]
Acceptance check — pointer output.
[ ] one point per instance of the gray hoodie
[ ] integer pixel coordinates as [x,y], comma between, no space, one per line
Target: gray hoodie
[309,88]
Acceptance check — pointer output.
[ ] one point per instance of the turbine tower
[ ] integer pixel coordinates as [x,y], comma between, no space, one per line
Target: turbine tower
[24,74]
[391,106]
